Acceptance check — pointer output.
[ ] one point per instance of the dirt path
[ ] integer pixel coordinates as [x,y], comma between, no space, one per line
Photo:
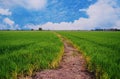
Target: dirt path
[72,66]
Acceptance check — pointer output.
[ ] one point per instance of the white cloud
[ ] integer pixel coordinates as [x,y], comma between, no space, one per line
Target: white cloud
[31,26]
[57,26]
[8,21]
[16,27]
[5,12]
[117,25]
[36,4]
[102,14]
[9,24]
[82,10]
[5,27]
[2,26]
[28,4]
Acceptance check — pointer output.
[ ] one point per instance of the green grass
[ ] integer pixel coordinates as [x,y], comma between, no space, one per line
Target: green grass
[102,51]
[22,52]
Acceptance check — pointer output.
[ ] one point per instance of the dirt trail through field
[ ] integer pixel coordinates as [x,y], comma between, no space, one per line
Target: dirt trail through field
[72,66]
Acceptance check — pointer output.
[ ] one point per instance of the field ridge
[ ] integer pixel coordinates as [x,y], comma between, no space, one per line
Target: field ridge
[72,65]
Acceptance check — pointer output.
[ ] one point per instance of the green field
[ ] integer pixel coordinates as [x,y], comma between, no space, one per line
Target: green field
[23,52]
[101,49]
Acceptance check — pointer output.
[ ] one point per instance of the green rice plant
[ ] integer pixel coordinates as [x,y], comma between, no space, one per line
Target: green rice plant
[24,52]
[102,51]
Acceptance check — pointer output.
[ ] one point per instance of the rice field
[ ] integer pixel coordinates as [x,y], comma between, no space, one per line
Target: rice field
[101,49]
[23,52]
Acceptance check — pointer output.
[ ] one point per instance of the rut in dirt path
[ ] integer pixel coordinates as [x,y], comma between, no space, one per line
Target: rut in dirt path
[72,66]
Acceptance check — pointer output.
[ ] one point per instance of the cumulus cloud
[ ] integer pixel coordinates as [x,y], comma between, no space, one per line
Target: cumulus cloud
[5,12]
[9,24]
[31,26]
[28,4]
[58,26]
[117,25]
[8,21]
[2,26]
[102,14]
[36,4]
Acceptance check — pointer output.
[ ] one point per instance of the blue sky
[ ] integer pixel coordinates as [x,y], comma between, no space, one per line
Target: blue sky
[59,14]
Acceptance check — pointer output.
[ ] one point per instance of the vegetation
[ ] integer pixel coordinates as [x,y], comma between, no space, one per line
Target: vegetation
[22,52]
[102,51]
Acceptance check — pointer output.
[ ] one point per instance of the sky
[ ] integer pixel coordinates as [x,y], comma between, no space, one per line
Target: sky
[59,14]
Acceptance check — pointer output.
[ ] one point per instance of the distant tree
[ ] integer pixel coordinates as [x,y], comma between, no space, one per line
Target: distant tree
[32,29]
[40,29]
[8,29]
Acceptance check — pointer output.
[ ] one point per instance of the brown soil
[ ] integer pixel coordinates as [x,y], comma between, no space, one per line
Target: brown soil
[72,66]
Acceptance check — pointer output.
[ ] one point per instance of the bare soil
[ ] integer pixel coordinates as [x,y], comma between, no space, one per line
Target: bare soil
[72,66]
